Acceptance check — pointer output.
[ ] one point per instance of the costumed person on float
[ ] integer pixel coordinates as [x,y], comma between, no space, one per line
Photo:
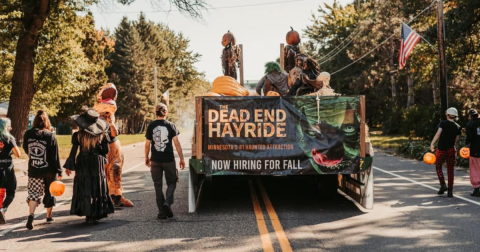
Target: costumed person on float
[106,106]
[307,83]
[274,80]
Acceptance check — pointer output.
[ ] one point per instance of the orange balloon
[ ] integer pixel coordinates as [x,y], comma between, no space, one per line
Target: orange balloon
[57,188]
[429,158]
[465,152]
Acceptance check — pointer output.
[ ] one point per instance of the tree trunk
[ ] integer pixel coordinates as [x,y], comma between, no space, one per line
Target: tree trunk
[435,97]
[392,73]
[23,89]
[411,93]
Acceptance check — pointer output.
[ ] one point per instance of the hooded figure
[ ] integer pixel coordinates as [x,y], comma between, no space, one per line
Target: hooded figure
[274,80]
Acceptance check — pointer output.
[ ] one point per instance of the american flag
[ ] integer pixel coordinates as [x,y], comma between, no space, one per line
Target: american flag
[409,39]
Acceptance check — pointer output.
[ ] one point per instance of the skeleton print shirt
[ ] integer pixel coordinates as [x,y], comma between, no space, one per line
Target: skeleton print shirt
[161,133]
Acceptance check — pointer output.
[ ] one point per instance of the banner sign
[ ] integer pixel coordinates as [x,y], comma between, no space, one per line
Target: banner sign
[281,135]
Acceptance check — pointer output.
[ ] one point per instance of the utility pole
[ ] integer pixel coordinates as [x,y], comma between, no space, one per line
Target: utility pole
[155,90]
[441,55]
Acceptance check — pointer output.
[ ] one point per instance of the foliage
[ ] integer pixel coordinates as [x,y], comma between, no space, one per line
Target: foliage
[33,26]
[340,35]
[421,121]
[132,70]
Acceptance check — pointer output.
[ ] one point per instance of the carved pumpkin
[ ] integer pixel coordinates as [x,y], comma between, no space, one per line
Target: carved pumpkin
[293,38]
[272,93]
[57,188]
[227,38]
[465,152]
[429,158]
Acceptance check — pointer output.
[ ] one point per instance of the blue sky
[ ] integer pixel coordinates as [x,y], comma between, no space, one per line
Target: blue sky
[259,25]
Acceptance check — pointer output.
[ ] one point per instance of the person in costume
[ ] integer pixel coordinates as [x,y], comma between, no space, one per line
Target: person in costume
[8,181]
[40,144]
[307,83]
[106,106]
[274,80]
[91,197]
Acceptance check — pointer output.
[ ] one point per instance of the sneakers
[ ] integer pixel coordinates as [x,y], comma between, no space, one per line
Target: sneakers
[50,220]
[442,190]
[162,215]
[30,222]
[169,211]
[476,193]
[2,216]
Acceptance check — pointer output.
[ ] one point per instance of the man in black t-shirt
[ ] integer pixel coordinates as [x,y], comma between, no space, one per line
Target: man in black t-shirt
[159,137]
[448,132]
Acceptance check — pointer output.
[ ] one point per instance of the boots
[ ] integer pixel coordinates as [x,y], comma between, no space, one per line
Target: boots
[476,192]
[2,216]
[450,193]
[443,188]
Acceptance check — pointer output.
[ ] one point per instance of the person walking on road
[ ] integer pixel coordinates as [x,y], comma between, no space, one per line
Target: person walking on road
[91,197]
[40,144]
[473,141]
[8,181]
[159,137]
[448,134]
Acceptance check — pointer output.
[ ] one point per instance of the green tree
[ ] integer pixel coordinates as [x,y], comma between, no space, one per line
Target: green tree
[32,16]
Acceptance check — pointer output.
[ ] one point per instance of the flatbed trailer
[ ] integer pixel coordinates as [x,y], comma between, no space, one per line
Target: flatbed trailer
[324,137]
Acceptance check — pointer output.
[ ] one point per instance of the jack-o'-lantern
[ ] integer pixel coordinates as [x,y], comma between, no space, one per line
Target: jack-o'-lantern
[429,158]
[57,188]
[293,38]
[465,152]
[227,38]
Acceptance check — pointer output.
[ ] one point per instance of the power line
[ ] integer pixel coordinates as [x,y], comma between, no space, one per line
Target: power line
[211,8]
[383,42]
[321,60]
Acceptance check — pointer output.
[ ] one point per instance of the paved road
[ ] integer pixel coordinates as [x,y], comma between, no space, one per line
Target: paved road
[235,212]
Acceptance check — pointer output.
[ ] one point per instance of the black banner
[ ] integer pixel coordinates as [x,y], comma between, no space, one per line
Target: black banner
[281,135]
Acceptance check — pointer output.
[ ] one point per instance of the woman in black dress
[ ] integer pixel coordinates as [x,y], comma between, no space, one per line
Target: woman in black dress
[91,197]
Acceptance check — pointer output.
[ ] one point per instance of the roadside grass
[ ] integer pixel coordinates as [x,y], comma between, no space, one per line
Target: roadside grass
[65,143]
[388,142]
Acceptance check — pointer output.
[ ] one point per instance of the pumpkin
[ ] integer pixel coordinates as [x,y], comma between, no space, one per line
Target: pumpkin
[293,38]
[212,94]
[226,85]
[429,158]
[272,93]
[57,188]
[227,38]
[465,152]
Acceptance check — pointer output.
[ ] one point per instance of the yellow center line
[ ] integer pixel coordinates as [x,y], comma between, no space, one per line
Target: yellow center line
[262,227]
[277,226]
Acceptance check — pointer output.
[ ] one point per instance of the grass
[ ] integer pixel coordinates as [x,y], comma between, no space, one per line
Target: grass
[387,142]
[65,143]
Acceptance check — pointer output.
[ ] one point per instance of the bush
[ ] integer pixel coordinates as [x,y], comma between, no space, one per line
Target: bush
[420,121]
